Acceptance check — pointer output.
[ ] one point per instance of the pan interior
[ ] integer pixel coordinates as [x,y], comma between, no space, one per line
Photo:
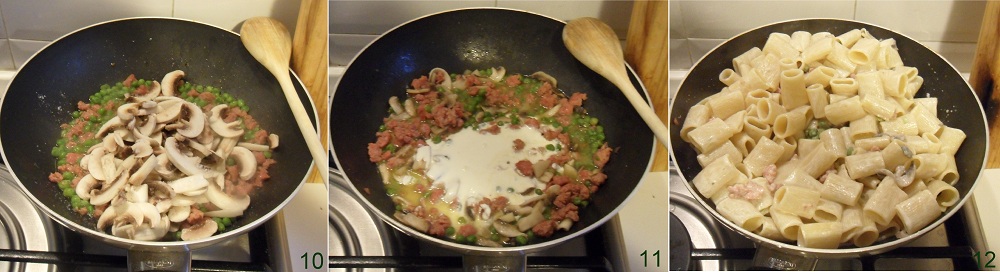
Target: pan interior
[476,39]
[957,104]
[46,89]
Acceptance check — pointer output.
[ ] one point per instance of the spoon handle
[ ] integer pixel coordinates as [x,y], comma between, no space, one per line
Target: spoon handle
[647,114]
[302,119]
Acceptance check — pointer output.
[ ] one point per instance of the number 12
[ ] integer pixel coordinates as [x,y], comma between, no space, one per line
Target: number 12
[645,261]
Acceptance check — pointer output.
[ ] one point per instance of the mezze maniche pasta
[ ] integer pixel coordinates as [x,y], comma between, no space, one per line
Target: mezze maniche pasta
[818,139]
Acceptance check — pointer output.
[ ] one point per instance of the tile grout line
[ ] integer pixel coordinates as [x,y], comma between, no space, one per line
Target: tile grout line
[10,46]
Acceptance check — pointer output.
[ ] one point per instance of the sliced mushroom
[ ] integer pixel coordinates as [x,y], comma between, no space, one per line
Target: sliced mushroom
[142,148]
[108,165]
[149,213]
[164,205]
[545,77]
[147,125]
[532,219]
[195,122]
[246,162]
[199,150]
[229,206]
[565,224]
[106,217]
[169,82]
[413,221]
[152,92]
[507,229]
[437,73]
[95,165]
[112,143]
[123,228]
[497,75]
[272,141]
[109,126]
[85,185]
[188,165]
[137,194]
[152,232]
[220,126]
[226,146]
[202,231]
[161,189]
[188,184]
[128,111]
[168,109]
[140,175]
[396,107]
[487,243]
[179,213]
[254,147]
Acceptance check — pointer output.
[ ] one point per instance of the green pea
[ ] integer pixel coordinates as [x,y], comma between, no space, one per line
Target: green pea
[538,191]
[550,147]
[390,191]
[576,201]
[267,154]
[584,203]
[522,240]
[399,207]
[461,220]
[381,128]
[495,237]
[449,231]
[222,227]
[69,192]
[436,139]
[472,239]
[68,175]
[227,221]
[530,234]
[230,161]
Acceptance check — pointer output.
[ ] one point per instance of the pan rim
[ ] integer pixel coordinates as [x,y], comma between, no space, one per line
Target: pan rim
[122,242]
[838,252]
[471,248]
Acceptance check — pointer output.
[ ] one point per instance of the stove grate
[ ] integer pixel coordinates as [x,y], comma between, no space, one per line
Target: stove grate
[454,262]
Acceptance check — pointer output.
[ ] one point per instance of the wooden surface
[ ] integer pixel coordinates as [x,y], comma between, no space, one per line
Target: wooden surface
[310,60]
[985,72]
[646,50]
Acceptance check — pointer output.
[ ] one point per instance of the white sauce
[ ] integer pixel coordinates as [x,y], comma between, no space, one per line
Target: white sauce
[471,165]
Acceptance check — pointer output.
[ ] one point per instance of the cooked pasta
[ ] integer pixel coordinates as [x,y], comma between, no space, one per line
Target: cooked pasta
[818,140]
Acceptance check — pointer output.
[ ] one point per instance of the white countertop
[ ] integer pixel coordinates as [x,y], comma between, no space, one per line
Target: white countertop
[644,224]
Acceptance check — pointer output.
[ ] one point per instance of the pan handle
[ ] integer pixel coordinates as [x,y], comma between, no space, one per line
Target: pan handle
[160,259]
[768,258]
[494,261]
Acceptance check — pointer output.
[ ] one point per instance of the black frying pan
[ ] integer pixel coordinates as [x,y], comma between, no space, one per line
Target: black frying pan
[45,90]
[958,107]
[475,39]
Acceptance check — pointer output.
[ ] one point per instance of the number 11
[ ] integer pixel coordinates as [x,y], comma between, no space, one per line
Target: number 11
[645,261]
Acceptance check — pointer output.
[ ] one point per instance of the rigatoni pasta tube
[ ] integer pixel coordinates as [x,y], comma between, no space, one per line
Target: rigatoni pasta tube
[770,231]
[817,100]
[698,115]
[779,44]
[818,161]
[929,165]
[951,139]
[789,144]
[789,124]
[863,165]
[755,127]
[765,153]
[711,135]
[869,84]
[881,206]
[844,86]
[726,104]
[866,127]
[863,51]
[797,200]
[844,111]
[817,50]
[793,89]
[820,235]
[743,143]
[787,224]
[917,211]
[828,211]
[742,213]
[727,150]
[849,38]
[841,190]
[945,194]
[838,57]
[950,173]
[893,155]
[833,141]
[728,77]
[820,75]
[715,176]
[769,110]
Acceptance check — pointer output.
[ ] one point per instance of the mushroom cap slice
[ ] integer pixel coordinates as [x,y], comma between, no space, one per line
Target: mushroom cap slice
[254,147]
[188,165]
[142,148]
[95,165]
[108,126]
[152,232]
[272,141]
[206,229]
[85,185]
[229,206]
[178,214]
[188,184]
[169,82]
[168,109]
[195,122]
[220,126]
[128,111]
[137,194]
[106,217]
[246,162]
[152,92]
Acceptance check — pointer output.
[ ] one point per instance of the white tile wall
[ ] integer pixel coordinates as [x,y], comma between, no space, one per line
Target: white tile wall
[26,26]
[353,24]
[950,27]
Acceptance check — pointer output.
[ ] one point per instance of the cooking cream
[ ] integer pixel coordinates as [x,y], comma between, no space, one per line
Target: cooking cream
[472,164]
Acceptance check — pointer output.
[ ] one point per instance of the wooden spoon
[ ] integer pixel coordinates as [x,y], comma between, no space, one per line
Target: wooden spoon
[268,41]
[595,45]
